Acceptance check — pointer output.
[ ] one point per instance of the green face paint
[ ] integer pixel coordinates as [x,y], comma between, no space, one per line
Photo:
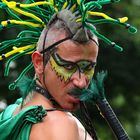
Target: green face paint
[65,69]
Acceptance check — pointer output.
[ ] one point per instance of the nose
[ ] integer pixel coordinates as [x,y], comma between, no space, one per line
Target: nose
[79,81]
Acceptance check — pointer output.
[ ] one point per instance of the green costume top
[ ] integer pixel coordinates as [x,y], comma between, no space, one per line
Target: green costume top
[18,127]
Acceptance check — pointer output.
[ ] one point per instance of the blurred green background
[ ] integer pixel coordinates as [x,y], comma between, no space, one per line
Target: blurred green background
[123,83]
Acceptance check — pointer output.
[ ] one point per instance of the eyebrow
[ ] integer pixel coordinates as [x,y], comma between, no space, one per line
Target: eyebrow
[70,62]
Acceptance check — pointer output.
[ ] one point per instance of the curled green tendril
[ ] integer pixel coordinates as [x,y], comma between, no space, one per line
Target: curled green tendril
[3,5]
[103,2]
[29,1]
[5,42]
[93,4]
[23,33]
[18,42]
[44,17]
[12,14]
[13,85]
[14,58]
[90,6]
[43,11]
[115,0]
[103,21]
[82,6]
[118,48]
[132,29]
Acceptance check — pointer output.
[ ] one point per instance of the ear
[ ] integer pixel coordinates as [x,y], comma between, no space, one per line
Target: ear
[37,60]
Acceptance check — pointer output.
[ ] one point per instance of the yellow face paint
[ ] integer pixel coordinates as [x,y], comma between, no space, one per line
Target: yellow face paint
[61,72]
[65,69]
[89,74]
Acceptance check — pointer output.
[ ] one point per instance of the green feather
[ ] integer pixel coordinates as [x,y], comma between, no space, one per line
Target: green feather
[100,82]
[96,88]
[26,85]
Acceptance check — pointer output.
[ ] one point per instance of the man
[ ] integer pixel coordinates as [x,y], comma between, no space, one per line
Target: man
[59,76]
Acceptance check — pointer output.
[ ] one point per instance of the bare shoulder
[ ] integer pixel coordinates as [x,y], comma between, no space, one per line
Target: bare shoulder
[82,132]
[57,125]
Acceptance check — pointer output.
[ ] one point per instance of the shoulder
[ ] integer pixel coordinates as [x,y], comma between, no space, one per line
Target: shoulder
[82,132]
[56,125]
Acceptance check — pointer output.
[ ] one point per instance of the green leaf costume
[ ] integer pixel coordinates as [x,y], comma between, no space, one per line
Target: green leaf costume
[18,127]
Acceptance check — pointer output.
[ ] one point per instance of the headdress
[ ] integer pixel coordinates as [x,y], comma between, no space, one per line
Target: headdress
[79,15]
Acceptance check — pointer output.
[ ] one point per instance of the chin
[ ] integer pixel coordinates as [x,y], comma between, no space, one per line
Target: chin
[72,107]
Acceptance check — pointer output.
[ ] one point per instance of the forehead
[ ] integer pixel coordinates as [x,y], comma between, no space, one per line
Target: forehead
[74,51]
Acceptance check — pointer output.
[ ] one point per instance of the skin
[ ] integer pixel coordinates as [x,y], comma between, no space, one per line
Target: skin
[60,125]
[73,53]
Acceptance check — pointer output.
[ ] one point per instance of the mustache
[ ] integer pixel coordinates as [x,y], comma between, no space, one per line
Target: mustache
[77,92]
[82,94]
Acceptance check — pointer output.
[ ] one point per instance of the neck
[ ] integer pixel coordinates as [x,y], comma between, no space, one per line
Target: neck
[36,99]
[40,96]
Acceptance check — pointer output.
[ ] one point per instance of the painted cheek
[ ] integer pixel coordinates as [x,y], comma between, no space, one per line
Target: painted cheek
[89,74]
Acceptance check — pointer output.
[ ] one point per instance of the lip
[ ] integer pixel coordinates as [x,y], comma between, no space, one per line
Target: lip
[74,95]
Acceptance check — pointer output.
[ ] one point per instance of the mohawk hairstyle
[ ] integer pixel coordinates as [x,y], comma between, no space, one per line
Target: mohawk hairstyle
[38,15]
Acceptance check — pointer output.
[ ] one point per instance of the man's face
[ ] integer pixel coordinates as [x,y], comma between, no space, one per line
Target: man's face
[71,67]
